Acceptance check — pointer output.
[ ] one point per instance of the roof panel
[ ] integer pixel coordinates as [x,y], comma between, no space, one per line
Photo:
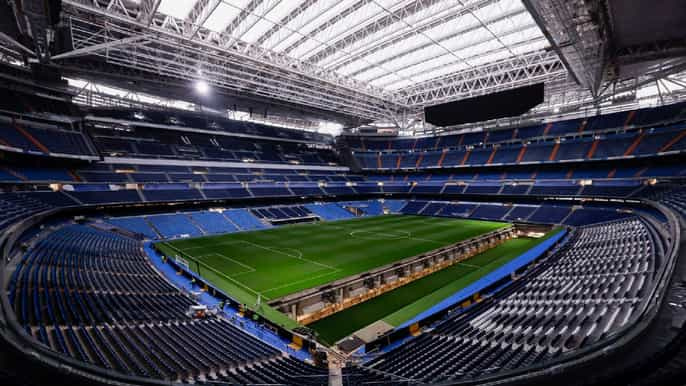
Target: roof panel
[224,14]
[372,43]
[307,22]
[176,8]
[268,20]
[399,26]
[500,20]
[462,46]
[360,17]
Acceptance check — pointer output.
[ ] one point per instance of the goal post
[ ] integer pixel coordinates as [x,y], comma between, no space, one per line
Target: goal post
[181,262]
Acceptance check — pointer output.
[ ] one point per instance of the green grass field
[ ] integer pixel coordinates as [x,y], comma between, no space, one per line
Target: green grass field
[402,304]
[287,259]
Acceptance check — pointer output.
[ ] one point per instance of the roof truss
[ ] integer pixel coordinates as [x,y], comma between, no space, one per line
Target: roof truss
[346,71]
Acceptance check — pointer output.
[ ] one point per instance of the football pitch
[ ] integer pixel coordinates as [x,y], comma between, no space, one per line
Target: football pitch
[283,260]
[403,303]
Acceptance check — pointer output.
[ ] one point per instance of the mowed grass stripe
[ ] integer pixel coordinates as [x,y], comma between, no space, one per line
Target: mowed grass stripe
[397,306]
[292,258]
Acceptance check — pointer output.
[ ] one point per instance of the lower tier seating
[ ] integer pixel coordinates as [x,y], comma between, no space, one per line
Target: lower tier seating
[91,294]
[559,307]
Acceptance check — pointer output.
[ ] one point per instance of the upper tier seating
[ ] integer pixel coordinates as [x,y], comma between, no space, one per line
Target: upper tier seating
[596,138]
[639,118]
[142,141]
[544,213]
[559,307]
[43,140]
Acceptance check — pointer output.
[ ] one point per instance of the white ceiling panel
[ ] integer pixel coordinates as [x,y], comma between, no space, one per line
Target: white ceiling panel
[390,44]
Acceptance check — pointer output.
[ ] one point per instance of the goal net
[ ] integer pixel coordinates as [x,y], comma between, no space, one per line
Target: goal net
[182,262]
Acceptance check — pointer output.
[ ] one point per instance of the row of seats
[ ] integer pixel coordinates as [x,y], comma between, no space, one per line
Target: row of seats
[104,173]
[583,126]
[43,140]
[535,173]
[621,188]
[596,148]
[216,221]
[544,213]
[189,224]
[18,205]
[203,121]
[281,212]
[15,206]
[559,307]
[141,141]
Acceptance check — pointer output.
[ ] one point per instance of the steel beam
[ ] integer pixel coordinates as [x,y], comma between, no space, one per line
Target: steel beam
[199,14]
[328,23]
[514,72]
[397,40]
[148,10]
[294,14]
[412,9]
[575,36]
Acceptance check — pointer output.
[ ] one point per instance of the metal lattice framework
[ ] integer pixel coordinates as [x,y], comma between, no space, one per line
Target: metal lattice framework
[576,37]
[370,59]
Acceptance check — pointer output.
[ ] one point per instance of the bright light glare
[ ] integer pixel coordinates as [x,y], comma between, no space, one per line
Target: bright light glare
[202,87]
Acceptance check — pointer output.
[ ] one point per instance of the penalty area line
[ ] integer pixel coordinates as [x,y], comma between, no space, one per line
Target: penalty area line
[299,256]
[302,280]
[250,269]
[216,271]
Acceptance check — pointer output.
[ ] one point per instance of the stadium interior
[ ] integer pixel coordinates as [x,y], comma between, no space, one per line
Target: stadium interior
[342,192]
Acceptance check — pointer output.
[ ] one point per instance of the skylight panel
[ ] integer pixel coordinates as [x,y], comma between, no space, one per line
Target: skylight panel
[355,20]
[225,14]
[445,34]
[394,30]
[496,10]
[278,12]
[176,8]
[463,45]
[307,22]
[425,76]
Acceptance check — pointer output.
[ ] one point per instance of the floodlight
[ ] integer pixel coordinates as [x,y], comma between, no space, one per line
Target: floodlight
[202,87]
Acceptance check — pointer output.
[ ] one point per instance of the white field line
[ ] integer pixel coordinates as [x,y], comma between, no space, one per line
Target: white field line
[390,236]
[428,240]
[250,269]
[205,247]
[299,256]
[233,280]
[470,265]
[300,281]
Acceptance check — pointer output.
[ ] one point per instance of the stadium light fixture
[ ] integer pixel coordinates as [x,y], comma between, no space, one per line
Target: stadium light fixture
[202,87]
